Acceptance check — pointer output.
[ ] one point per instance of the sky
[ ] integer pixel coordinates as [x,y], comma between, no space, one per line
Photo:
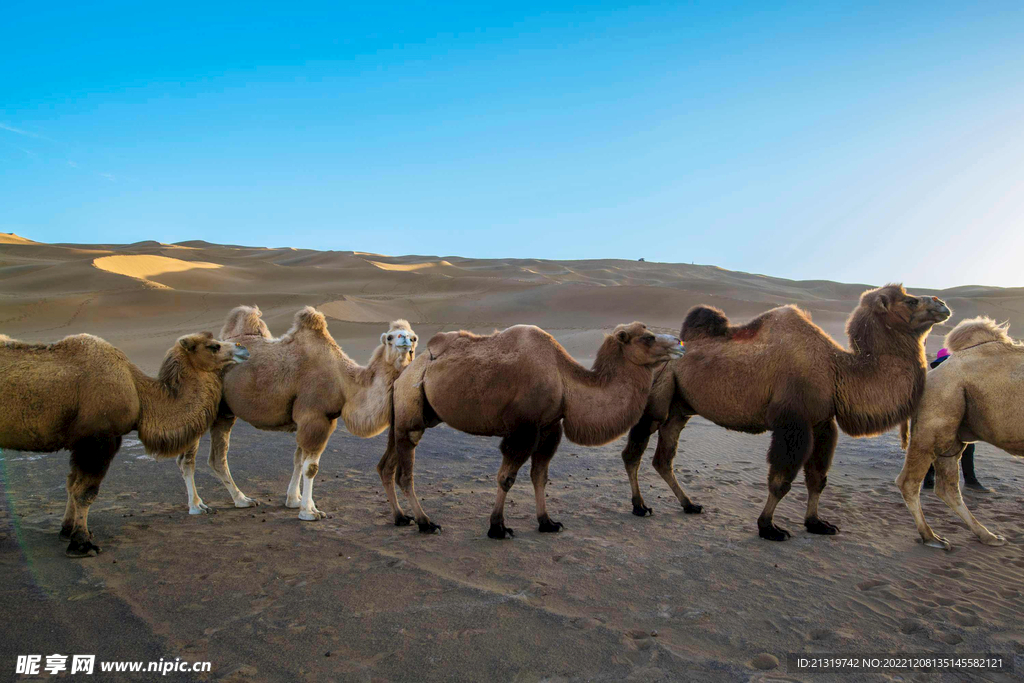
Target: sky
[857,142]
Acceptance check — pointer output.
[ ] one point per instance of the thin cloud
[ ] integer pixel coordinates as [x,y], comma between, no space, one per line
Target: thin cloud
[19,131]
[72,164]
[109,176]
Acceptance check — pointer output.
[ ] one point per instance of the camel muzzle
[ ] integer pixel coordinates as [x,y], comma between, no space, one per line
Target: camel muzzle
[241,354]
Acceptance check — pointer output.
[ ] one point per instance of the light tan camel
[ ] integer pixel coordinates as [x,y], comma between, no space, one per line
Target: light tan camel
[782,373]
[975,395]
[519,384]
[83,394]
[302,382]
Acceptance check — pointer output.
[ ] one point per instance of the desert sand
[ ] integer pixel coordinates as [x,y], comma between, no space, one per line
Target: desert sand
[265,597]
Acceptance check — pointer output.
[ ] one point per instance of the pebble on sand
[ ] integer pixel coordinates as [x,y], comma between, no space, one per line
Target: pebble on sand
[764,661]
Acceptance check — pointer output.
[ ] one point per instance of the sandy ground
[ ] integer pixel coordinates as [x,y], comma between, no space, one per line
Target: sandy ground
[266,597]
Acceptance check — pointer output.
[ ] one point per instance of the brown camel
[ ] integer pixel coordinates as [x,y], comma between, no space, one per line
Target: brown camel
[521,385]
[976,395]
[302,382]
[83,395]
[782,373]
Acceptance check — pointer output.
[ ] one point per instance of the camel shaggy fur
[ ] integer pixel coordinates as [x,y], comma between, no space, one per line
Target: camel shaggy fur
[521,385]
[83,395]
[975,395]
[302,382]
[782,373]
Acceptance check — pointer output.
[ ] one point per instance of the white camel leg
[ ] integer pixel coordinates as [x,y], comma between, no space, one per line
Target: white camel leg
[307,508]
[187,465]
[292,498]
[947,486]
[220,436]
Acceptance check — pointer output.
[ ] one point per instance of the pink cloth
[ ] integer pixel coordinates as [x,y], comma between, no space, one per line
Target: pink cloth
[942,353]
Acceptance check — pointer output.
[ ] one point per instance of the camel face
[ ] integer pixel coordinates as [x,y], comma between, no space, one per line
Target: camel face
[207,353]
[643,347]
[899,309]
[400,345]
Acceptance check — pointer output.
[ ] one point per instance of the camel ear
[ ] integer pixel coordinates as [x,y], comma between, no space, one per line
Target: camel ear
[883,302]
[622,336]
[383,337]
[188,344]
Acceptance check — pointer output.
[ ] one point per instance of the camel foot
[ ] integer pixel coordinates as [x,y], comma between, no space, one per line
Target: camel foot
[200,509]
[938,542]
[428,527]
[995,540]
[289,503]
[247,502]
[642,510]
[311,515]
[403,520]
[65,532]
[977,486]
[82,548]
[816,525]
[692,508]
[549,527]
[500,531]
[769,531]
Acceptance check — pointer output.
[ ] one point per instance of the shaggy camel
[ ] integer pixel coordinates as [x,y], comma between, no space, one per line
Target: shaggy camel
[976,395]
[519,384]
[83,394]
[782,373]
[302,382]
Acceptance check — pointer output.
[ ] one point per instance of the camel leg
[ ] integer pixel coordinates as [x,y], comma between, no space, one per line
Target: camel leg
[220,438]
[915,466]
[632,454]
[311,437]
[90,460]
[816,469]
[387,468]
[516,449]
[405,446]
[546,447]
[187,465]
[292,498]
[947,486]
[665,453]
[790,447]
[68,524]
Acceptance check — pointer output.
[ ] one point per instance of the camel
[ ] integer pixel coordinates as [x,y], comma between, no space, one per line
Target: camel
[521,385]
[782,373]
[974,396]
[83,395]
[302,382]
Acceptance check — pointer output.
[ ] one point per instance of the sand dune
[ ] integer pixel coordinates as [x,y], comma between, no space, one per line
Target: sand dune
[144,267]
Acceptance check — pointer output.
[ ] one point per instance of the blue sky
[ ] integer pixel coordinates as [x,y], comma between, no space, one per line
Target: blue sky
[858,142]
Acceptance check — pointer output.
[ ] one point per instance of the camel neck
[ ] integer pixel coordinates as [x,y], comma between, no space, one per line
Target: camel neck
[602,403]
[176,408]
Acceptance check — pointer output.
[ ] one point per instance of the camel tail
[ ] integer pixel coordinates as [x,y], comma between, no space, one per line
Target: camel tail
[704,321]
[905,434]
[976,331]
[244,321]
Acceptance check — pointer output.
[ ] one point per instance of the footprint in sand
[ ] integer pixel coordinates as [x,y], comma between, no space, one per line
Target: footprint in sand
[873,583]
[951,639]
[909,626]
[945,602]
[966,619]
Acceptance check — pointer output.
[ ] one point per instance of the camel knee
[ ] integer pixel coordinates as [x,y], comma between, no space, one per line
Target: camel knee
[312,469]
[84,497]
[779,488]
[506,482]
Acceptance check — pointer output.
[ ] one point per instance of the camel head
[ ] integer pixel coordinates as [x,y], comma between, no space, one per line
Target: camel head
[643,347]
[897,310]
[399,344]
[204,353]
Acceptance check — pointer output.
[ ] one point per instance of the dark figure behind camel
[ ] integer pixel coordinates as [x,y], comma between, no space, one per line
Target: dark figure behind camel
[782,373]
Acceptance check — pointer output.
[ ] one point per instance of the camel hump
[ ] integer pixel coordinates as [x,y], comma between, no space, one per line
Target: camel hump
[976,331]
[702,322]
[310,319]
[444,341]
[244,321]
